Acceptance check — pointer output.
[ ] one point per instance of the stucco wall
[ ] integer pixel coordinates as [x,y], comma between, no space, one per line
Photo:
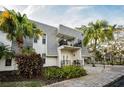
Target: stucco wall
[70,55]
[4,40]
[7,68]
[39,46]
[51,41]
[51,61]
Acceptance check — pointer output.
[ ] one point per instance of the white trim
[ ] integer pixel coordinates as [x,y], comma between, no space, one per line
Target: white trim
[67,46]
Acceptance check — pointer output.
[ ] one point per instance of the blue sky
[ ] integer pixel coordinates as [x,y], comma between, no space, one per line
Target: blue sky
[72,16]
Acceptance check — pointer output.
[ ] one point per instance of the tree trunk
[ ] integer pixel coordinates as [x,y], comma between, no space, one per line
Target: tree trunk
[17,47]
[20,46]
[94,54]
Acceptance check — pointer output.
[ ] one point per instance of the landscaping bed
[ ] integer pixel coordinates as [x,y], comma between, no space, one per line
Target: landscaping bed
[66,72]
[49,75]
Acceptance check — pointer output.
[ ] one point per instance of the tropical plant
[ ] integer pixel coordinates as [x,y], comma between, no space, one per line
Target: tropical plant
[5,52]
[66,72]
[73,71]
[18,27]
[53,73]
[95,33]
[28,51]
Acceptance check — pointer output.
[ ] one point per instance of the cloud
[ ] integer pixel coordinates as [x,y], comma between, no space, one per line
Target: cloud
[29,10]
[44,14]
[70,15]
[73,9]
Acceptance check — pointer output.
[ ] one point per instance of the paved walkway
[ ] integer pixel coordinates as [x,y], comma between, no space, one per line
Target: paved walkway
[97,77]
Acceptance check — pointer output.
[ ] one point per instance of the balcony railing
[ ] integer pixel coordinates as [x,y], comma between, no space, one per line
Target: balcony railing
[71,62]
[64,42]
[65,62]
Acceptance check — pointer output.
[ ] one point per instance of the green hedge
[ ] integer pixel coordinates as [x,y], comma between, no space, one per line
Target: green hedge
[67,72]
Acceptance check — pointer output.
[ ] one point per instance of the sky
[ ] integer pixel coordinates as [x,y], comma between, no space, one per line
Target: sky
[72,16]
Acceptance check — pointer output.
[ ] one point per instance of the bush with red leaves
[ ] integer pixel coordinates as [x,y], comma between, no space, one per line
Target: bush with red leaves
[29,66]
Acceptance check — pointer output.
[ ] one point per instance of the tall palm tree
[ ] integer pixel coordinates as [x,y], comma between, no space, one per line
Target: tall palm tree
[18,27]
[97,32]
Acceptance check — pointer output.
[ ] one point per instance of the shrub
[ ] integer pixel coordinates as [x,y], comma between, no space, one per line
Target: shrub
[73,71]
[52,73]
[29,65]
[67,72]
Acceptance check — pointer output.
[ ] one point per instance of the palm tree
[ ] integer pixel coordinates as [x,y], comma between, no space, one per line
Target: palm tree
[5,52]
[28,51]
[18,27]
[97,32]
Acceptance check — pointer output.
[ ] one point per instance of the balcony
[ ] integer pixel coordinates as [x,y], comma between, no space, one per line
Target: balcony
[70,43]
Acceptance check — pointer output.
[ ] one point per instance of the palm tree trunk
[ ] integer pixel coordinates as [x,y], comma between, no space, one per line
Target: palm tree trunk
[16,48]
[94,54]
[19,42]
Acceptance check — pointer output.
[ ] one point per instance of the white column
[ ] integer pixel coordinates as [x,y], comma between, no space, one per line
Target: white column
[59,57]
[82,64]
[83,61]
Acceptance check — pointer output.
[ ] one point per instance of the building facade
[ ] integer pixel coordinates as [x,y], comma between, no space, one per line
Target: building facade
[58,46]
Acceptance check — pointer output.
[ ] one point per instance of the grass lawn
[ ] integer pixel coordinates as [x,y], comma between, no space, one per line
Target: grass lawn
[31,83]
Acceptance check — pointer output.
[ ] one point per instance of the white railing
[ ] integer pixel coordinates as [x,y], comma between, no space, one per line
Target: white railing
[72,62]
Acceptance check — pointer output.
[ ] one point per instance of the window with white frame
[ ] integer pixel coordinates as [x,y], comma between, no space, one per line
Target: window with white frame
[44,39]
[35,40]
[8,62]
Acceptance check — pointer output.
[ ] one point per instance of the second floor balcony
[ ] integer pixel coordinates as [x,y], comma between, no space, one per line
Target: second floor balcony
[70,43]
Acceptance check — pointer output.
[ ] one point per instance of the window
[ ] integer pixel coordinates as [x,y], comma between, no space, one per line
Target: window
[8,62]
[43,55]
[35,40]
[44,39]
